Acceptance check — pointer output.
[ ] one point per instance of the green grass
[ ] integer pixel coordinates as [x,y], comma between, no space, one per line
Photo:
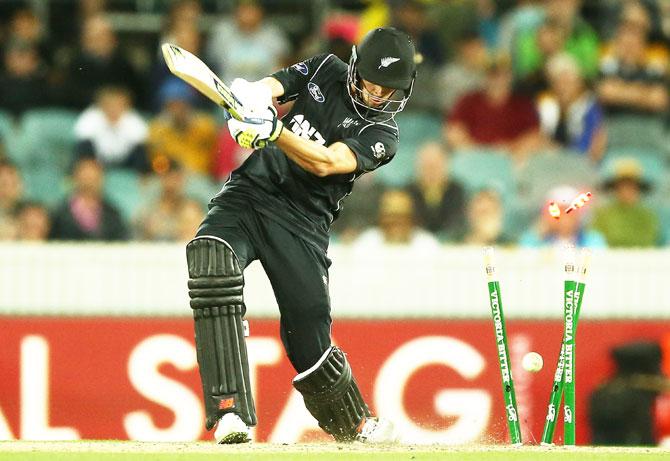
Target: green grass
[127,451]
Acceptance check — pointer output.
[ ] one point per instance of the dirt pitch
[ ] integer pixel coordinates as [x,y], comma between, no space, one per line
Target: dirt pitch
[196,451]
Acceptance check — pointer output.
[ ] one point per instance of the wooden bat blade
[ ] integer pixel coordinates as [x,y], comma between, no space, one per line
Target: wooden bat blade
[193,71]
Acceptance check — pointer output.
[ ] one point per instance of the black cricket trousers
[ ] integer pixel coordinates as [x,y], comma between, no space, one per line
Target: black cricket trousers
[298,273]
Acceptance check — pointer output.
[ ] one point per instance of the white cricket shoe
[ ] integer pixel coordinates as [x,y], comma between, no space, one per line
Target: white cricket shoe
[377,431]
[231,429]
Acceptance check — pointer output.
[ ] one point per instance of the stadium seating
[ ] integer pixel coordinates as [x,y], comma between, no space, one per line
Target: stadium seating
[124,190]
[416,128]
[645,133]
[46,151]
[484,169]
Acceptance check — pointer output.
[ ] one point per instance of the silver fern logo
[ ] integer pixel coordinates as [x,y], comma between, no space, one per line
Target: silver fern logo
[385,62]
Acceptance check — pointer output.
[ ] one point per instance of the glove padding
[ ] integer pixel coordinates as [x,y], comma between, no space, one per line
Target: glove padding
[257,136]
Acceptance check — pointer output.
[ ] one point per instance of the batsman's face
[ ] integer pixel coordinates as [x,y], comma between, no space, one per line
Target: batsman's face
[375,95]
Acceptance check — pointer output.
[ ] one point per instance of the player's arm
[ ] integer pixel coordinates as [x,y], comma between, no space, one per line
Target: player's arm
[319,160]
[276,88]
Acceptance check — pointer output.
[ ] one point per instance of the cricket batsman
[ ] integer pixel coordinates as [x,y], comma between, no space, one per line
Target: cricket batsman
[277,207]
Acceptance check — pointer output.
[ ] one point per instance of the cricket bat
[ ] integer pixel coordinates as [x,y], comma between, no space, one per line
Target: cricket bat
[193,71]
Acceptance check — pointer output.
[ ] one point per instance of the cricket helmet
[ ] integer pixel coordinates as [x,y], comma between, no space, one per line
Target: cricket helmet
[384,57]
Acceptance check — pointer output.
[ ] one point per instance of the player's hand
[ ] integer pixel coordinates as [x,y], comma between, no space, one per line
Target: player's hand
[254,96]
[257,136]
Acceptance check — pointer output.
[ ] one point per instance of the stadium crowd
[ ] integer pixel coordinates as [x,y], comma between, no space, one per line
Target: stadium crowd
[516,104]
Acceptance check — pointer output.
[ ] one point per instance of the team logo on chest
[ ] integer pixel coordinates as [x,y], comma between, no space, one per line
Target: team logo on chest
[315,91]
[303,128]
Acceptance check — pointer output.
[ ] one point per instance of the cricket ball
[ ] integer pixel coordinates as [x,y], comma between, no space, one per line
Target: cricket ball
[532,362]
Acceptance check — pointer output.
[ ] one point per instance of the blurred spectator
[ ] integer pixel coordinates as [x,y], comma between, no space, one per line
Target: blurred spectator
[439,201]
[563,30]
[569,229]
[485,219]
[495,117]
[411,17]
[396,226]
[247,46]
[113,132]
[99,62]
[11,193]
[228,155]
[633,73]
[187,36]
[26,26]
[161,220]
[358,210]
[85,214]
[23,84]
[337,34]
[180,132]
[570,115]
[625,221]
[465,73]
[189,218]
[182,14]
[33,222]
[621,409]
[525,16]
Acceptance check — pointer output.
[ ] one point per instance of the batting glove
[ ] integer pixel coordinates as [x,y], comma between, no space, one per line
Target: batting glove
[256,136]
[254,96]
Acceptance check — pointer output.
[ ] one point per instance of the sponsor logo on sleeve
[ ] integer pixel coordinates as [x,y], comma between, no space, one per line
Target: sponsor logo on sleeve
[301,67]
[315,91]
[378,150]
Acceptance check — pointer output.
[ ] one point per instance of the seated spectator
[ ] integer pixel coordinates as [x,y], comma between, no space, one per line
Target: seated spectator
[396,226]
[247,46]
[98,63]
[11,193]
[26,26]
[495,117]
[181,133]
[439,201]
[625,221]
[632,72]
[525,16]
[411,17]
[182,29]
[569,229]
[189,218]
[86,214]
[23,84]
[570,115]
[485,218]
[161,218]
[563,30]
[33,222]
[112,132]
[465,73]
[359,210]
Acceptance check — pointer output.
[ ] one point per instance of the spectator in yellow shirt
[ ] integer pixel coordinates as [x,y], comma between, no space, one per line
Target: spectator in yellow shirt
[180,132]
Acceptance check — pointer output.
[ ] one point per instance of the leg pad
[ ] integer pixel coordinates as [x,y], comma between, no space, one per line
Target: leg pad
[215,288]
[332,396]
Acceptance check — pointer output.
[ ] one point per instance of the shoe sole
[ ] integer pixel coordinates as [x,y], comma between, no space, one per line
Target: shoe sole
[235,437]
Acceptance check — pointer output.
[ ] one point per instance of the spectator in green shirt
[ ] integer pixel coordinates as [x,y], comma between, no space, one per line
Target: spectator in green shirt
[626,221]
[562,30]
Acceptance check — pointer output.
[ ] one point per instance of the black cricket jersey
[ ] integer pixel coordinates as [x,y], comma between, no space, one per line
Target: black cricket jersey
[279,188]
